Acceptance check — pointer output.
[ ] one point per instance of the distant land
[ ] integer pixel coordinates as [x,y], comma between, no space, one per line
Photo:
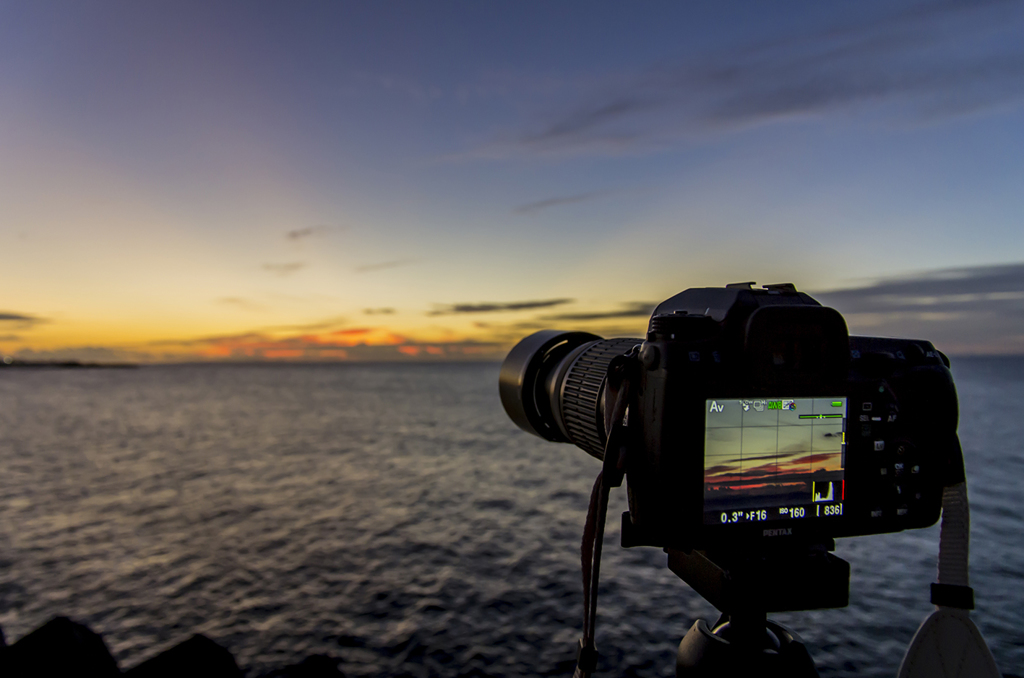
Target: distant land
[60,364]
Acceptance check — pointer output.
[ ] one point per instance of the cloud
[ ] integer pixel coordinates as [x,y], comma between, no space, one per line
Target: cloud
[316,326]
[212,339]
[533,207]
[972,310]
[385,264]
[353,332]
[903,63]
[634,309]
[20,321]
[378,311]
[509,334]
[18,317]
[241,302]
[594,117]
[285,269]
[998,286]
[810,459]
[302,233]
[494,307]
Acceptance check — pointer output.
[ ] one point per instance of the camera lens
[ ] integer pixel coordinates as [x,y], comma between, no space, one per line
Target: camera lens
[552,385]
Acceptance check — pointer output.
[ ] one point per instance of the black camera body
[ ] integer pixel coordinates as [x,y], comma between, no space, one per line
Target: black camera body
[756,420]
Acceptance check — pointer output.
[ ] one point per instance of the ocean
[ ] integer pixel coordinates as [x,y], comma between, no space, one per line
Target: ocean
[392,516]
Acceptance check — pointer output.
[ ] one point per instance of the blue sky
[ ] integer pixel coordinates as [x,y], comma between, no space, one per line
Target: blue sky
[228,179]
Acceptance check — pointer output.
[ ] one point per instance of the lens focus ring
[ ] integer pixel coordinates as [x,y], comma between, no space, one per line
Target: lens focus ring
[582,390]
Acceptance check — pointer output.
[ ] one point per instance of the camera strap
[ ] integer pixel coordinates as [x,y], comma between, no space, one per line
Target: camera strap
[616,450]
[948,643]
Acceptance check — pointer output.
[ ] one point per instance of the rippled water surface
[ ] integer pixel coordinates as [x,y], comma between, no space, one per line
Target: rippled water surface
[393,516]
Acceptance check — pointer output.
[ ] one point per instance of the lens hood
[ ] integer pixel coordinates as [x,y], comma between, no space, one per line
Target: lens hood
[523,375]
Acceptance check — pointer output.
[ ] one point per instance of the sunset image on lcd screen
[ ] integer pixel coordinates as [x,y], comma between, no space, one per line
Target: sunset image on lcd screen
[773,452]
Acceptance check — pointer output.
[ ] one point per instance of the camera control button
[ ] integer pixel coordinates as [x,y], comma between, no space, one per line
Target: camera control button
[892,413]
[876,513]
[883,471]
[915,469]
[879,445]
[901,511]
[898,468]
[866,406]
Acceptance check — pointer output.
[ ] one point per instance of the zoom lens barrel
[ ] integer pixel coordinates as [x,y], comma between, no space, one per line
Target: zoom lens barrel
[552,385]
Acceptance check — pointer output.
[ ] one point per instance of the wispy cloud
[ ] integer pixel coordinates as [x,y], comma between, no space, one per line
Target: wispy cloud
[533,207]
[450,309]
[17,317]
[904,61]
[378,311]
[209,339]
[315,326]
[241,303]
[285,269]
[395,263]
[999,287]
[302,233]
[508,334]
[20,321]
[634,309]
[961,310]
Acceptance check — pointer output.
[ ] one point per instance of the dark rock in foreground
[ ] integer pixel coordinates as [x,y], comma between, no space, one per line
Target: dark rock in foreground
[62,647]
[198,657]
[59,648]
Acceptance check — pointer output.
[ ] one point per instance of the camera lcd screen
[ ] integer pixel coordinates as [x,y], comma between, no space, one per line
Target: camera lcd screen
[774,459]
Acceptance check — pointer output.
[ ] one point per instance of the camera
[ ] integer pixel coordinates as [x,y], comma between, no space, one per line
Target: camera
[754,420]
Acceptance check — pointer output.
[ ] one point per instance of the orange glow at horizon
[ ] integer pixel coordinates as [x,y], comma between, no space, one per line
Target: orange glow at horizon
[332,345]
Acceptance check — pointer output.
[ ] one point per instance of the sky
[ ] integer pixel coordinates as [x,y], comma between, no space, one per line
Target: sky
[375,181]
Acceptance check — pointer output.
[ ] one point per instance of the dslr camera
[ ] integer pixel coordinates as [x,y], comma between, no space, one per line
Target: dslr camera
[757,421]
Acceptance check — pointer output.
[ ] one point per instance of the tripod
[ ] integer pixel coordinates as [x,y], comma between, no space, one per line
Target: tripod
[745,588]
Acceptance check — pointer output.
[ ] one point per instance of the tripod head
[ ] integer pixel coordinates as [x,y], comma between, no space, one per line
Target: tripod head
[745,585]
[805,578]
